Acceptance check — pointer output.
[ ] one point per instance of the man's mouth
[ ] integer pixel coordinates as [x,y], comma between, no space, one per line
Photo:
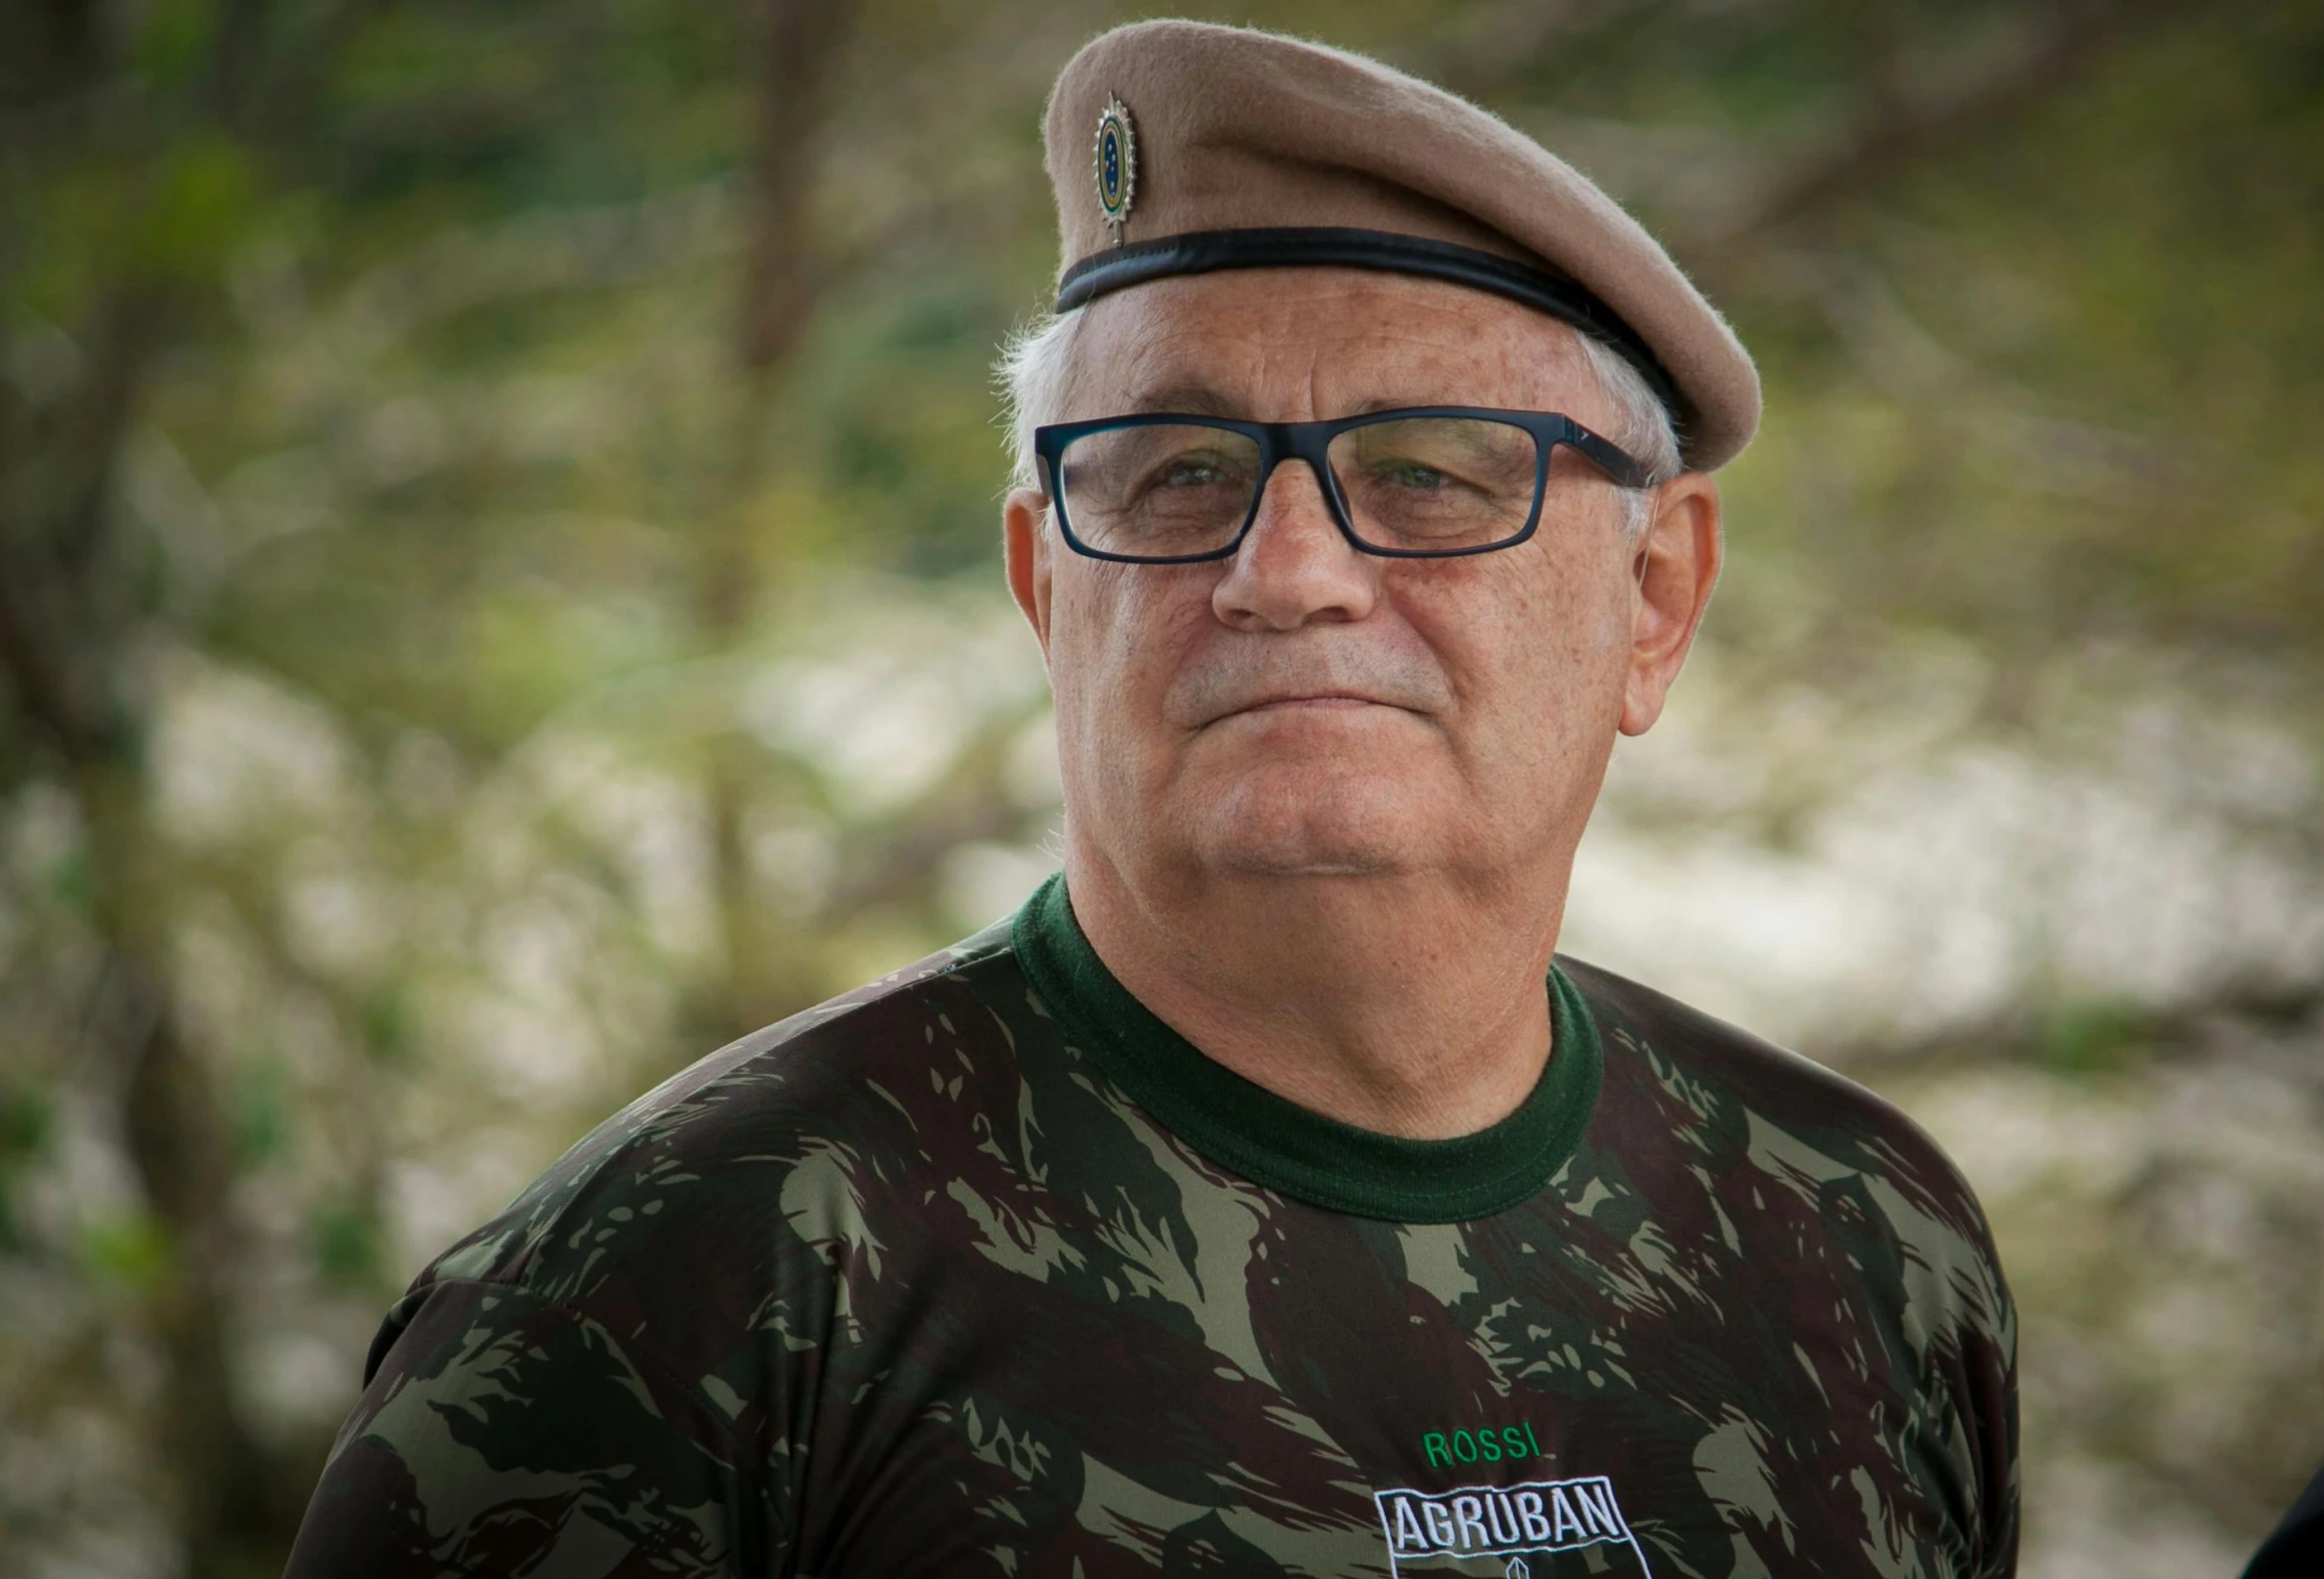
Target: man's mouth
[1241,681]
[1305,701]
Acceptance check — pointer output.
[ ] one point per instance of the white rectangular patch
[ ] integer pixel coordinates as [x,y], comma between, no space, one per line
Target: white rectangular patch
[1540,1516]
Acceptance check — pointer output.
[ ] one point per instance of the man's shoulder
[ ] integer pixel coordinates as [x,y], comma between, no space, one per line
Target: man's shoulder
[1766,1107]
[1772,1078]
[832,1088]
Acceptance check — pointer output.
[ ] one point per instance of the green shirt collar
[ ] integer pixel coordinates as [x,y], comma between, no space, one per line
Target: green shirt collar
[1279,1143]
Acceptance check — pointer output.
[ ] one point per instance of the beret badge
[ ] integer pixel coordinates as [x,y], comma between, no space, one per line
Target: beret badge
[1116,164]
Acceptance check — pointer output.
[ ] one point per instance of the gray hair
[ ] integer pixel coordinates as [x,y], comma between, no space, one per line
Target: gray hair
[1035,375]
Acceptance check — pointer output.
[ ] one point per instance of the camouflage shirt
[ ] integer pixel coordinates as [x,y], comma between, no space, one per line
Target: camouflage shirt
[982,1270]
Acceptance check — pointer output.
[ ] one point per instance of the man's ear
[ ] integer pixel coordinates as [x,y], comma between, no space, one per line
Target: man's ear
[1025,551]
[1677,563]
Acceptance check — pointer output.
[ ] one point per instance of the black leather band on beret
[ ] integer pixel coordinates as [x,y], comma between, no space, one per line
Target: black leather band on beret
[1206,252]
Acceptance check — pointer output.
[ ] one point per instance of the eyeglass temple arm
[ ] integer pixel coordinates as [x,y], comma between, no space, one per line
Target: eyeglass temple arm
[1608,456]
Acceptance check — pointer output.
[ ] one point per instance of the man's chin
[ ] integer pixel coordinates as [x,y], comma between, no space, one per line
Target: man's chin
[1309,830]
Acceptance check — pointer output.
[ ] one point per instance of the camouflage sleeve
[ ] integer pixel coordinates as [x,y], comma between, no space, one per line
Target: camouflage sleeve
[506,1433]
[1992,1391]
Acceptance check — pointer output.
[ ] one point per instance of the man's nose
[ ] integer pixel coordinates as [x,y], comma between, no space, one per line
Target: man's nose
[1294,566]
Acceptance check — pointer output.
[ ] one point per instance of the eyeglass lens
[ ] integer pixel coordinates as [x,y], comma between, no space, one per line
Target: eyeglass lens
[1431,485]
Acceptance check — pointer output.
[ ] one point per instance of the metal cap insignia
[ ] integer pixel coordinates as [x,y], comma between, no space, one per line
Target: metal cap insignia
[1116,164]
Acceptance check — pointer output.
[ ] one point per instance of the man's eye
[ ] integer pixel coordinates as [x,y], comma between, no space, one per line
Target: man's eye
[1412,475]
[1190,471]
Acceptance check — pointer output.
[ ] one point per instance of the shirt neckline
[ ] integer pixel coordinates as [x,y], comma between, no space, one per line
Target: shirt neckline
[1287,1148]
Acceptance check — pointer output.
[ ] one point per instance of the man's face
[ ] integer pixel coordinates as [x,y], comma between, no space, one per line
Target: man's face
[1305,708]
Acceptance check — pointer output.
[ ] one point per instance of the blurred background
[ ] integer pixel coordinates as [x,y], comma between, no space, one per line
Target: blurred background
[498,595]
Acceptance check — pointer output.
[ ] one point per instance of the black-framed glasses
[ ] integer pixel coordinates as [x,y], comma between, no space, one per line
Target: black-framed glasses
[1418,482]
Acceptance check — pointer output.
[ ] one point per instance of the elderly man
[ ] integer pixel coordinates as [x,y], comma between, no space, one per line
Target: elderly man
[1265,1196]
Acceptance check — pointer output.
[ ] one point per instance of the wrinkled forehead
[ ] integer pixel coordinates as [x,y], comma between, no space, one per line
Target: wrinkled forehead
[1291,344]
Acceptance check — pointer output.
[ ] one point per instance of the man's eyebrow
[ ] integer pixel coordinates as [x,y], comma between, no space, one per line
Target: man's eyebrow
[1195,400]
[1394,404]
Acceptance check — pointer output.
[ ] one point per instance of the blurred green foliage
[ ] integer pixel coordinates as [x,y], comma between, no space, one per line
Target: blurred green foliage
[2094,1038]
[132,1252]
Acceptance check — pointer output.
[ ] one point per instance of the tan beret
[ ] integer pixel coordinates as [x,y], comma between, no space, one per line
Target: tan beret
[1183,148]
